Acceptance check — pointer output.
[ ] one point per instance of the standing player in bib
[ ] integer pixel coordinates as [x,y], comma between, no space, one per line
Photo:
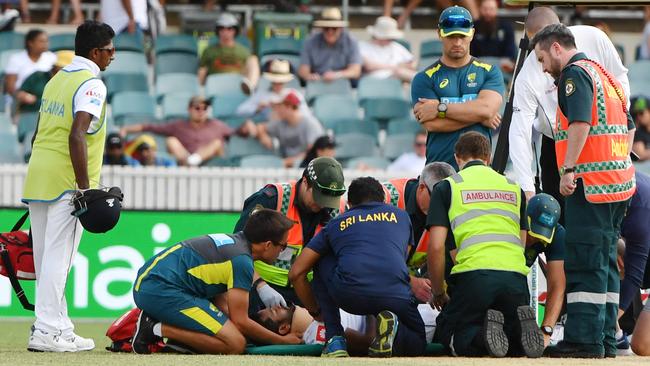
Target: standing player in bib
[66,158]
[593,139]
[458,93]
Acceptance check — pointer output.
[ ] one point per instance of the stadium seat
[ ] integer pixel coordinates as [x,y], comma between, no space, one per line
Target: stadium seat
[176,43]
[345,127]
[289,46]
[331,108]
[175,62]
[174,105]
[133,107]
[5,55]
[5,122]
[372,162]
[12,41]
[26,124]
[238,147]
[372,88]
[396,145]
[128,62]
[62,41]
[225,106]
[637,52]
[425,62]
[9,149]
[223,84]
[261,161]
[318,88]
[643,167]
[355,145]
[176,83]
[404,43]
[431,48]
[117,82]
[128,42]
[402,125]
[621,51]
[384,109]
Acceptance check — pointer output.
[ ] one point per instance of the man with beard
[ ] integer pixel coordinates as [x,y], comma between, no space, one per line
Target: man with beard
[593,139]
[457,93]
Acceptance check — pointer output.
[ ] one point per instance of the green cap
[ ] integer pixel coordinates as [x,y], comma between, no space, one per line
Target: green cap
[326,177]
[640,105]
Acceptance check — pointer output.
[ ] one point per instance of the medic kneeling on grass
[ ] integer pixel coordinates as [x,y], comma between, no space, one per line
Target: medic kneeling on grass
[176,287]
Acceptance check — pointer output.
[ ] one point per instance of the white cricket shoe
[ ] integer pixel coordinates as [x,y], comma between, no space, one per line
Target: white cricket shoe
[42,341]
[82,344]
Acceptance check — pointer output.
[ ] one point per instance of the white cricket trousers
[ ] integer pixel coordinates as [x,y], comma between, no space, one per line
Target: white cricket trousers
[55,236]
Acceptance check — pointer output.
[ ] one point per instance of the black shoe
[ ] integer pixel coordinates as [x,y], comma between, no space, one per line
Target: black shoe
[532,338]
[496,341]
[144,336]
[571,350]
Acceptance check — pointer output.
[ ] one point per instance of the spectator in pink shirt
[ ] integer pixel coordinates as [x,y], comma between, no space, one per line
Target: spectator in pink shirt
[190,142]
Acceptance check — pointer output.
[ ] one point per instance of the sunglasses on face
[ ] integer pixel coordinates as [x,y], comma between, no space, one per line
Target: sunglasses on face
[229,28]
[110,50]
[283,246]
[456,21]
[199,107]
[420,143]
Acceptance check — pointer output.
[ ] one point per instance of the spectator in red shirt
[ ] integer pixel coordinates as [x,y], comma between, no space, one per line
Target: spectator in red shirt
[190,142]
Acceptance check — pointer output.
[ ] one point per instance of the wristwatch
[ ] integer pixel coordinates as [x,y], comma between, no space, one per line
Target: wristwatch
[565,170]
[547,330]
[442,110]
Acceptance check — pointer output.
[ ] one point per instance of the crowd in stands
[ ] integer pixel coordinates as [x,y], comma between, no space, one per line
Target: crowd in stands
[280,103]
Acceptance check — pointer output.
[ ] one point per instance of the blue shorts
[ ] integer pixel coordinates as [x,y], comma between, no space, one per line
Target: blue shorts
[171,304]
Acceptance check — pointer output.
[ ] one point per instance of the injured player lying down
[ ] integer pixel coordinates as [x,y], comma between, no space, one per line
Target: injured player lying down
[176,287]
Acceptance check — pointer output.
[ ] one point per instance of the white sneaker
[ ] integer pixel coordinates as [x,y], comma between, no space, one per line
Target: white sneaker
[41,341]
[82,344]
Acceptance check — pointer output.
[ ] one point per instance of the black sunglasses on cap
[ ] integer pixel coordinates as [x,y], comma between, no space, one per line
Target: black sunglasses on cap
[455,21]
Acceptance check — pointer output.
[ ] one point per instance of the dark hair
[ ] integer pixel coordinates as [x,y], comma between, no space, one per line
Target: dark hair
[266,224]
[270,324]
[553,33]
[472,144]
[365,189]
[92,34]
[322,142]
[32,35]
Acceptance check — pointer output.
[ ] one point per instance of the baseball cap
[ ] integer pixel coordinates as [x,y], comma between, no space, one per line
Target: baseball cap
[287,96]
[455,20]
[114,140]
[227,20]
[640,105]
[543,213]
[326,177]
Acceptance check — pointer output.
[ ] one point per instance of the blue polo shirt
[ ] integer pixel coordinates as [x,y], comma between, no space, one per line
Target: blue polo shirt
[370,243]
[553,251]
[454,85]
[322,57]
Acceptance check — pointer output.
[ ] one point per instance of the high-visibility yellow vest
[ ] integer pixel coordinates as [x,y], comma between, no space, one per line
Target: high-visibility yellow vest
[484,216]
[50,173]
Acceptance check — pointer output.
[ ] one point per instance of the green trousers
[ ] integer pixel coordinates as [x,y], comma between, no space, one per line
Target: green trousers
[592,279]
[459,325]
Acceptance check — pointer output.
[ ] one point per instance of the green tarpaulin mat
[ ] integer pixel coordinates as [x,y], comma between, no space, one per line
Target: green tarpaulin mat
[433,349]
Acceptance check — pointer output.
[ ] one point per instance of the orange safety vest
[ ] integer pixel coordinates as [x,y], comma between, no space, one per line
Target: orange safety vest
[604,164]
[394,195]
[278,272]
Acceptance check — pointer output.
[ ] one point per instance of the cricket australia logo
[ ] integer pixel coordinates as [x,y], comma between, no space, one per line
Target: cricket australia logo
[471,80]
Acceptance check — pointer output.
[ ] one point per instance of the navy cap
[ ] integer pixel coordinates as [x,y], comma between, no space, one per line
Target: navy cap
[455,20]
[543,213]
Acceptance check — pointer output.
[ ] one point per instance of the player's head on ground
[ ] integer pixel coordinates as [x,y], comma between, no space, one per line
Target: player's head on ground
[364,190]
[538,18]
[430,176]
[94,41]
[277,318]
[470,146]
[267,230]
[554,46]
[456,30]
[323,184]
[543,213]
